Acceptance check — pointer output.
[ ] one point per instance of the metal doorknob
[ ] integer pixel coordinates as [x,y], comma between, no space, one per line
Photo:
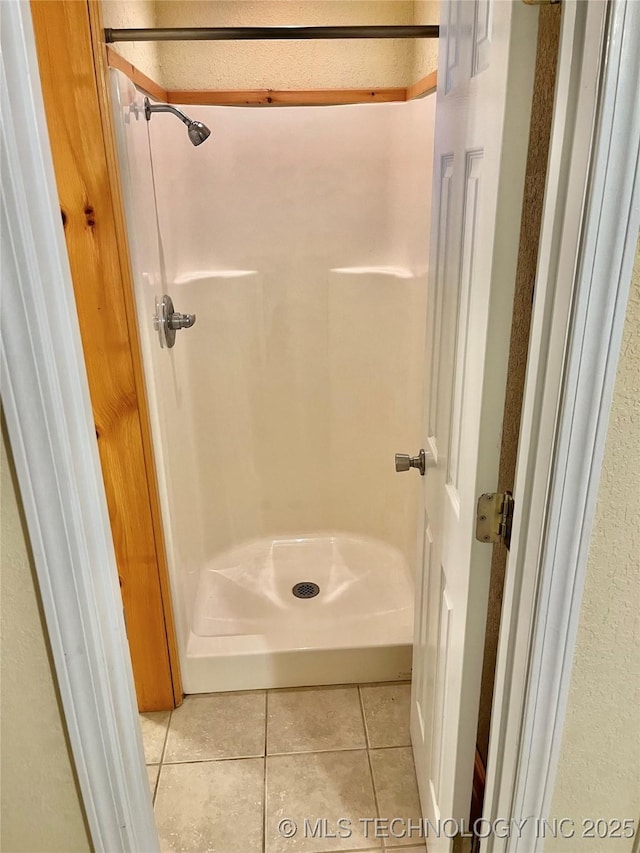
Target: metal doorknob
[404,462]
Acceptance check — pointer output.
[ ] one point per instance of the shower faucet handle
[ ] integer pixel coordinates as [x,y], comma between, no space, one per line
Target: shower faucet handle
[167,321]
[404,462]
[180,321]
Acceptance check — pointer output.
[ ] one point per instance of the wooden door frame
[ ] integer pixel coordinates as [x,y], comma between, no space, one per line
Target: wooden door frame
[46,402]
[73,72]
[588,241]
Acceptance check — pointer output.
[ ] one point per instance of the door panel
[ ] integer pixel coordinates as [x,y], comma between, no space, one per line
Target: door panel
[473,171]
[443,272]
[482,121]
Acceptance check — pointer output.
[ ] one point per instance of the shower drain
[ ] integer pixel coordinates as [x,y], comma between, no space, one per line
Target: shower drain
[305,589]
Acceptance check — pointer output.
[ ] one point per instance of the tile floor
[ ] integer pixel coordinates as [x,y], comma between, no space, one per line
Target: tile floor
[226,768]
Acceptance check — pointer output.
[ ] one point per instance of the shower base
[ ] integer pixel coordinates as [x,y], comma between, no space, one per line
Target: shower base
[250,631]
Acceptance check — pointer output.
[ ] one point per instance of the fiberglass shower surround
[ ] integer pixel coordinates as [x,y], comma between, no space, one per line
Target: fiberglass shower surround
[297,237]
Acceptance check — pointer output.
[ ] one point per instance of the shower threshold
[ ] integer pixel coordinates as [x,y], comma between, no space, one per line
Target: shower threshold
[251,630]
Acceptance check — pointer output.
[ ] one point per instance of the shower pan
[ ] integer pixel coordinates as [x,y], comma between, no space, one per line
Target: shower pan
[296,236]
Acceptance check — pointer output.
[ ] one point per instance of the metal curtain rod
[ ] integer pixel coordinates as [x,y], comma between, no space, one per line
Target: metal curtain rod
[429,31]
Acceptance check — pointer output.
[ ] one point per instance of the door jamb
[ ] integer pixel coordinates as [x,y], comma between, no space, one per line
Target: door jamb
[45,397]
[587,247]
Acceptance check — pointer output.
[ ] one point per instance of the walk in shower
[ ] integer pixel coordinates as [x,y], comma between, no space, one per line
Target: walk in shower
[298,237]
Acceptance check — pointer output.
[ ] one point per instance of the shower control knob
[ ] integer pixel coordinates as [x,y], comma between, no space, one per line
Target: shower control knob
[180,321]
[167,321]
[404,462]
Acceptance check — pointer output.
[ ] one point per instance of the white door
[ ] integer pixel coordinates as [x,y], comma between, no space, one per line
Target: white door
[485,80]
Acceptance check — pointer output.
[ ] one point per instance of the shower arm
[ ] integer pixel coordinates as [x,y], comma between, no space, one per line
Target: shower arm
[150,108]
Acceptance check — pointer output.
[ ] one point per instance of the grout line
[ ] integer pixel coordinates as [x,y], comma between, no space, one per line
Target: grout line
[302,687]
[266,722]
[211,760]
[297,688]
[155,787]
[373,785]
[279,755]
[162,754]
[373,781]
[364,717]
[319,749]
[166,738]
[264,787]
[212,693]
[275,755]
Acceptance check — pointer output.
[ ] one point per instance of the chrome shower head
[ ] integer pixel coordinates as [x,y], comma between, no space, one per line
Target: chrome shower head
[197,131]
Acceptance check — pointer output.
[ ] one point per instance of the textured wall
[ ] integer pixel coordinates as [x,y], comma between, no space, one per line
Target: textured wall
[145,55]
[425,51]
[599,770]
[277,65]
[40,808]
[285,65]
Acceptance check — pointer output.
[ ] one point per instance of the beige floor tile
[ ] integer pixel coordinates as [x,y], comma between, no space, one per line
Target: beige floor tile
[154,730]
[314,719]
[218,725]
[152,773]
[386,714]
[321,785]
[422,848]
[394,778]
[211,807]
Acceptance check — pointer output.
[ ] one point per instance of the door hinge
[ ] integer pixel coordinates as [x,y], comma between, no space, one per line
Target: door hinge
[494,517]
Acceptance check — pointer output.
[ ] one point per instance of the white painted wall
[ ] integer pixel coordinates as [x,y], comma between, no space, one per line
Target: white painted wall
[40,803]
[299,237]
[599,768]
[277,65]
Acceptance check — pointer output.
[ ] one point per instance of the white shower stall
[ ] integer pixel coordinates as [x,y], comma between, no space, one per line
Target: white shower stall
[298,236]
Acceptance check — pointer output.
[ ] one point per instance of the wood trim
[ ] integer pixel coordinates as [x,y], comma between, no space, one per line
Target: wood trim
[271,97]
[104,97]
[115,60]
[422,87]
[84,162]
[284,97]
